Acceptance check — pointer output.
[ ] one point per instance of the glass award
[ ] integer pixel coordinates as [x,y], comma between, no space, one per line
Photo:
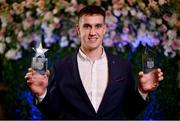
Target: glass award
[148,61]
[39,61]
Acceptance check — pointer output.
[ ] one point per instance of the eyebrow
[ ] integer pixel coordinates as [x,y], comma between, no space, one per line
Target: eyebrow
[87,24]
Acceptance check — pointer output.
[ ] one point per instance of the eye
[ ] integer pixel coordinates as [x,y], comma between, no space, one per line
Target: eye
[86,26]
[99,26]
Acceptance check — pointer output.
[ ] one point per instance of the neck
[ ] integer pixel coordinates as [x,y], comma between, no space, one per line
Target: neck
[93,54]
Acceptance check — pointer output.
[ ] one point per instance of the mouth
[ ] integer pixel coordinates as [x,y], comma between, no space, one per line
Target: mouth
[93,39]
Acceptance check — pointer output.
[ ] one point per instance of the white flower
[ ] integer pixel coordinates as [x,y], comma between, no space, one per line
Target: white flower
[20,34]
[2,48]
[172,34]
[70,10]
[153,22]
[2,39]
[8,39]
[169,52]
[125,11]
[133,12]
[48,29]
[63,42]
[3,18]
[73,45]
[48,16]
[159,21]
[117,12]
[13,54]
[140,15]
[162,2]
[74,2]
[55,11]
[39,12]
[56,20]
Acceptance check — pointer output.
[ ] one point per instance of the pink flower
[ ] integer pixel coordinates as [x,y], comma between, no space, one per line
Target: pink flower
[163,28]
[29,3]
[131,2]
[72,32]
[166,17]
[28,22]
[118,4]
[176,44]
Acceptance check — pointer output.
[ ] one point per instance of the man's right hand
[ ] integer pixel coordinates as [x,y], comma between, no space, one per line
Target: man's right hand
[37,83]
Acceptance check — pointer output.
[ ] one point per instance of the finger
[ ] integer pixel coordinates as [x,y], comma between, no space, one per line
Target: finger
[160,74]
[141,73]
[28,75]
[29,82]
[159,70]
[160,78]
[47,73]
[30,69]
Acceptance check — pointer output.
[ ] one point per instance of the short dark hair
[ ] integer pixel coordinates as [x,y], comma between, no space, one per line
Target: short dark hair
[90,10]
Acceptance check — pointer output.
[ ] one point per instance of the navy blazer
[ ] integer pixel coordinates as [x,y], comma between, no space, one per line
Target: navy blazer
[67,98]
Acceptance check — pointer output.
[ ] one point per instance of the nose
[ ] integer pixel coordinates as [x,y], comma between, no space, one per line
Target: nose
[92,31]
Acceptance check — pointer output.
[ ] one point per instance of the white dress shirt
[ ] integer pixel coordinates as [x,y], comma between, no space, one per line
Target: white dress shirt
[94,76]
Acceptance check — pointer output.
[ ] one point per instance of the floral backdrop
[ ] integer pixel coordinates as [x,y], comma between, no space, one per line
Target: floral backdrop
[133,25]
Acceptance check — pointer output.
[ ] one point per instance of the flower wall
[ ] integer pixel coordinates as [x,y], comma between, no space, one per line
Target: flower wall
[132,25]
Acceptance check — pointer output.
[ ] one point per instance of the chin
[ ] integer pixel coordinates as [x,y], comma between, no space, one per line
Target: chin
[93,47]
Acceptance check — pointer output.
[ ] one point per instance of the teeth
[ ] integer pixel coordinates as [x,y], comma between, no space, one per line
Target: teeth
[92,38]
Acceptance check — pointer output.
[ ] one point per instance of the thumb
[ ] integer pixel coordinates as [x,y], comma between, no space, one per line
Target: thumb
[141,73]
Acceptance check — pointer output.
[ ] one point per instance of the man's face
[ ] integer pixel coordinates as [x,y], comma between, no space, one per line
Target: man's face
[91,29]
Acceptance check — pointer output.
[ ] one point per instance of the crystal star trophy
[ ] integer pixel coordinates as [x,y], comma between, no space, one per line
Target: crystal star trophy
[148,61]
[39,61]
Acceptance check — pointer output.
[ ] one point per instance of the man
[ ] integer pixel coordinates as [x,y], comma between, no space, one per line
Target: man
[91,83]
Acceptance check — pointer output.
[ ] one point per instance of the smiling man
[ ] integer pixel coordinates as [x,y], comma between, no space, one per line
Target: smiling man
[92,83]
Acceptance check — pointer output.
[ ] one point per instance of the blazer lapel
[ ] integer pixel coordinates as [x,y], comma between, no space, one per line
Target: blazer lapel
[111,79]
[78,82]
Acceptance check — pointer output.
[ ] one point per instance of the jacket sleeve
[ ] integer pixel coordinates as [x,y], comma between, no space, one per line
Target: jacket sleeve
[134,103]
[52,103]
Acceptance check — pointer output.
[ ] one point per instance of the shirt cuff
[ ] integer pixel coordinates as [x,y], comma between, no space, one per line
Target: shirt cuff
[40,98]
[144,95]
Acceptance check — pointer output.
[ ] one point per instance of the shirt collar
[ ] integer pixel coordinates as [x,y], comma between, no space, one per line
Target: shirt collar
[83,56]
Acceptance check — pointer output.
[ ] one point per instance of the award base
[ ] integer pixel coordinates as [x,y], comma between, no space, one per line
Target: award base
[148,65]
[148,60]
[39,64]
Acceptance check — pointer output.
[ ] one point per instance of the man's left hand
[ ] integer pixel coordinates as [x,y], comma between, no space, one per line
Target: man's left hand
[150,81]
